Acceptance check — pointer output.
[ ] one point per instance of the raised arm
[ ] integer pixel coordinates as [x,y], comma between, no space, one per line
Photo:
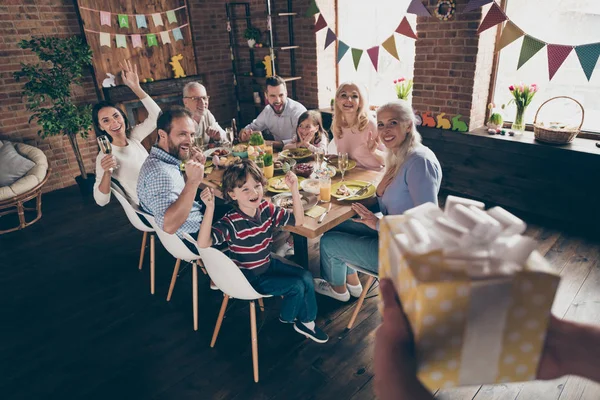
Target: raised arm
[204,236]
[292,181]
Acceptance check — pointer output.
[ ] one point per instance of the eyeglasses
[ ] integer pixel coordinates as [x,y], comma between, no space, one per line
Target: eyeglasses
[197,99]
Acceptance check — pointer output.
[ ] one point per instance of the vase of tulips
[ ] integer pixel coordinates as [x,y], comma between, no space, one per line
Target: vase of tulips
[403,87]
[521,96]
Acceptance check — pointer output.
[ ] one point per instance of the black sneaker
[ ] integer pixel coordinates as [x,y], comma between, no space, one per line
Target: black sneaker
[317,335]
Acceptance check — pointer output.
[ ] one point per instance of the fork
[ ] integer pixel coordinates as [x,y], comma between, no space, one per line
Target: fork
[359,192]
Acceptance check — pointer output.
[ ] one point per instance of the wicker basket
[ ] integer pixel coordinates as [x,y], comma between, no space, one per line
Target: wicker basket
[556,135]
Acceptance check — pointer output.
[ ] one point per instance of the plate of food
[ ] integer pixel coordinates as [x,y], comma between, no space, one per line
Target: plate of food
[279,163]
[310,186]
[240,150]
[327,171]
[346,188]
[285,200]
[277,184]
[297,154]
[217,151]
[332,159]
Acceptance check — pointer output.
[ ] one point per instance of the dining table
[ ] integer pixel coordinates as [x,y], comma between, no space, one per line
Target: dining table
[339,212]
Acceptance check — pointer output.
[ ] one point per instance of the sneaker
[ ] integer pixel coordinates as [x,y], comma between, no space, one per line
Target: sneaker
[355,290]
[286,322]
[323,287]
[315,334]
[213,286]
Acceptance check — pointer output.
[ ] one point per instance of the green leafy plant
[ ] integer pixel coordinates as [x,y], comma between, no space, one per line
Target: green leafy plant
[48,88]
[403,88]
[252,33]
[256,139]
[268,159]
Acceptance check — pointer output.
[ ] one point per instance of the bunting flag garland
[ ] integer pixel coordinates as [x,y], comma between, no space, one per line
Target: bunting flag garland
[557,54]
[104,18]
[121,42]
[157,19]
[390,46]
[320,23]
[164,37]
[475,4]
[136,40]
[342,49]
[123,21]
[151,39]
[493,18]
[416,7]
[588,57]
[373,53]
[140,21]
[312,9]
[405,29]
[529,48]
[105,39]
[510,33]
[356,55]
[177,34]
[171,17]
[330,38]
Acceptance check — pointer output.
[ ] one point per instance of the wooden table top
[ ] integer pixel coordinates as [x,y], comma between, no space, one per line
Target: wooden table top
[340,210]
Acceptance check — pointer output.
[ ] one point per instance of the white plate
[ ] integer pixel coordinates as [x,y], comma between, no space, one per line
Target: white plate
[308,200]
[208,153]
[310,186]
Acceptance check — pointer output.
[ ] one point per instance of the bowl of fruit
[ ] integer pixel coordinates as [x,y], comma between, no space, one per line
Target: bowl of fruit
[303,169]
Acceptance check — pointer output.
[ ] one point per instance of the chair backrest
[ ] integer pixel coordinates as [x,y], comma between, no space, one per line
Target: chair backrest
[226,275]
[331,147]
[130,211]
[174,244]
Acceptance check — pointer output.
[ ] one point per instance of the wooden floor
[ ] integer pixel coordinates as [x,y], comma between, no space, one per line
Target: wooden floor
[78,322]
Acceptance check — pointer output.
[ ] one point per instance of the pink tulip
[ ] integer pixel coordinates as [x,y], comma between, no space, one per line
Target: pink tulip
[395,81]
[533,88]
[521,87]
[511,88]
[401,79]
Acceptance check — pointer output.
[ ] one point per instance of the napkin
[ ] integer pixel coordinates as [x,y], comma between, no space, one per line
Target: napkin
[315,212]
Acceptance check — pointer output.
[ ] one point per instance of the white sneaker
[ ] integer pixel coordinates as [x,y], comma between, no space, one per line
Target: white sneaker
[355,290]
[323,287]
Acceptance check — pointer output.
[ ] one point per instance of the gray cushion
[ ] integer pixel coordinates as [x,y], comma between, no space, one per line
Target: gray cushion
[13,166]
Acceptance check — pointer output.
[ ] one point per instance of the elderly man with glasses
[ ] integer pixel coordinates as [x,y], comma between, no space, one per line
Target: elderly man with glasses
[195,100]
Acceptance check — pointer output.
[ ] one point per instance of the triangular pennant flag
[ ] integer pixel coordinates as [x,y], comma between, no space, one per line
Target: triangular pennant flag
[405,29]
[177,34]
[152,41]
[493,18]
[157,19]
[416,7]
[356,55]
[510,33]
[475,4]
[390,46]
[320,23]
[136,40]
[164,37]
[588,57]
[171,16]
[557,54]
[528,49]
[104,18]
[312,9]
[373,53]
[121,42]
[105,39]
[123,21]
[140,21]
[330,38]
[342,49]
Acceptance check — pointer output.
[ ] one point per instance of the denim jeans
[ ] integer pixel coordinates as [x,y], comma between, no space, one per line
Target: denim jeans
[295,284]
[350,242]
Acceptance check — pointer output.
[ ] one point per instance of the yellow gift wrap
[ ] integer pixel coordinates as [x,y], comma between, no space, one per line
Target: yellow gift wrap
[469,331]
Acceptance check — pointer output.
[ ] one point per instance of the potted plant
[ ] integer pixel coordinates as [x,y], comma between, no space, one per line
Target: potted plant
[48,91]
[403,88]
[252,35]
[268,168]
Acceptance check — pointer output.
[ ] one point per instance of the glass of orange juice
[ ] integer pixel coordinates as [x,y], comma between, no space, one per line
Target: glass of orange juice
[325,189]
[269,148]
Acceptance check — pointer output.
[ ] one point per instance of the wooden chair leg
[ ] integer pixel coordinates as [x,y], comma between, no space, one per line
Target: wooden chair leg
[361,300]
[201,265]
[152,264]
[195,294]
[173,279]
[261,304]
[143,250]
[219,320]
[254,340]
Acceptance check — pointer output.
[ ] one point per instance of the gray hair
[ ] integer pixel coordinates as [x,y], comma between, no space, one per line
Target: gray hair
[191,85]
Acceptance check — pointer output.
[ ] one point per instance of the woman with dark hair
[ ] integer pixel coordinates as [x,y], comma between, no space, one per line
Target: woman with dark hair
[128,154]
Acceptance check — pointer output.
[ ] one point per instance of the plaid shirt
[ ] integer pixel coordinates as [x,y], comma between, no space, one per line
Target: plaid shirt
[160,184]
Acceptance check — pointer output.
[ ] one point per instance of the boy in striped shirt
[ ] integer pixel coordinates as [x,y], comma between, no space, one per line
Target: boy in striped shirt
[248,230]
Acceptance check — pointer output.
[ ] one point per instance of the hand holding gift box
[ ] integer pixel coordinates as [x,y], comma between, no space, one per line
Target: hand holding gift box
[476,293]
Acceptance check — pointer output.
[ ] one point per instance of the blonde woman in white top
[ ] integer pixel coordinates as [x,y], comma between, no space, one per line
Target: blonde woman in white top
[128,153]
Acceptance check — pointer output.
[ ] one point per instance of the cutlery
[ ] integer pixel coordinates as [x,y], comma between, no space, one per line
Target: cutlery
[359,192]
[322,217]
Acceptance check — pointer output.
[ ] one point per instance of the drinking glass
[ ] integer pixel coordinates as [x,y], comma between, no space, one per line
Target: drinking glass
[343,163]
[319,159]
[199,141]
[269,148]
[105,146]
[229,134]
[325,189]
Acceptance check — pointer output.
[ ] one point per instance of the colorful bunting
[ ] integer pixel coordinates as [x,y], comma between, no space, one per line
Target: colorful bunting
[140,21]
[104,18]
[510,33]
[330,38]
[342,49]
[588,57]
[557,54]
[121,42]
[123,21]
[157,19]
[171,17]
[390,46]
[417,8]
[356,55]
[177,34]
[320,23]
[405,29]
[529,48]
[373,53]
[151,39]
[105,39]
[312,9]
[475,4]
[493,18]
[136,40]
[164,37]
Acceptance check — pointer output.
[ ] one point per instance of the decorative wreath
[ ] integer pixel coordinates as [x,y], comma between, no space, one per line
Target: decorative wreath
[445,9]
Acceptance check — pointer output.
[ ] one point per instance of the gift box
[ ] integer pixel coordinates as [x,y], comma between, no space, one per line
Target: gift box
[472,325]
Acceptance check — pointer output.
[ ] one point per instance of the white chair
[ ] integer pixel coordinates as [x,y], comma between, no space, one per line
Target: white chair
[372,277]
[133,214]
[231,281]
[331,147]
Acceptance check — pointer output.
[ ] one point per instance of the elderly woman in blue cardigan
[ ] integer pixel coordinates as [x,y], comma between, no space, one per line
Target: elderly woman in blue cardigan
[413,177]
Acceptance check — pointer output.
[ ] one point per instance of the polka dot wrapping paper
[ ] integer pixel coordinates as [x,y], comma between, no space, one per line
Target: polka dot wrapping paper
[467,331]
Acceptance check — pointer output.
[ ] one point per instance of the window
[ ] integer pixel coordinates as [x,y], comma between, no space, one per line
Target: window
[364,27]
[571,22]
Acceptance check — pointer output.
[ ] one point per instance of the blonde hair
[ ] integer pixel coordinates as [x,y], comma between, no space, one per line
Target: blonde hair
[362,116]
[402,111]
